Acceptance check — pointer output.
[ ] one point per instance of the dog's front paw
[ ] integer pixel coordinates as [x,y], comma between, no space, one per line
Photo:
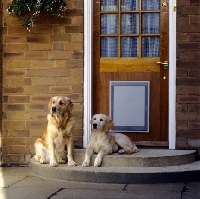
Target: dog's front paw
[53,164]
[97,163]
[71,163]
[121,151]
[85,164]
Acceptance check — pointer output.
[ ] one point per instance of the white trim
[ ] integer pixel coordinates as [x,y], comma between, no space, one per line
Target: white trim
[88,52]
[172,75]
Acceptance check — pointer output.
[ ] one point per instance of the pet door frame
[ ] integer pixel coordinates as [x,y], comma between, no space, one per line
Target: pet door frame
[129,106]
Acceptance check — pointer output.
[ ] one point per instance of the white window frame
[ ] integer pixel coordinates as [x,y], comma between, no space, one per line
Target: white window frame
[88,71]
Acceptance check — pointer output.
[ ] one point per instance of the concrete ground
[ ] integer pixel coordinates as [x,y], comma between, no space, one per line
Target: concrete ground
[18,183]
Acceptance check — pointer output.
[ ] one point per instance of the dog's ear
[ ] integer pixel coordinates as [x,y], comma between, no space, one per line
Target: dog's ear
[70,105]
[108,124]
[50,104]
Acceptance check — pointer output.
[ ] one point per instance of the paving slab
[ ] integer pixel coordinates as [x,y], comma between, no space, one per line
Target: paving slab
[32,187]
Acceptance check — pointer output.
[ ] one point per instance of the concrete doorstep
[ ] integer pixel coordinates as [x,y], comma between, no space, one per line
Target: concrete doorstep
[168,166]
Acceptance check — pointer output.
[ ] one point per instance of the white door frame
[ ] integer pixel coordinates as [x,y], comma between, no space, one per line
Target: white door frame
[88,71]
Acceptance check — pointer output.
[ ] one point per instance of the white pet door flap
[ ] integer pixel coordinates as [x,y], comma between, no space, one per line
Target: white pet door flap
[129,106]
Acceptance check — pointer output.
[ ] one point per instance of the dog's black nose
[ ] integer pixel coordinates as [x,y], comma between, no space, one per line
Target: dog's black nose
[94,126]
[53,109]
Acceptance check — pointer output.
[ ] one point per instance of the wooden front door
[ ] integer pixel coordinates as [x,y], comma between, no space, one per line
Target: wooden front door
[131,44]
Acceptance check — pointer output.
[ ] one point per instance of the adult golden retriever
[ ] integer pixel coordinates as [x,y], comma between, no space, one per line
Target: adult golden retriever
[58,135]
[103,142]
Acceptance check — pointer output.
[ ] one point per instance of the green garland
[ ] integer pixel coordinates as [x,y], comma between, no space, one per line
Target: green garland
[27,10]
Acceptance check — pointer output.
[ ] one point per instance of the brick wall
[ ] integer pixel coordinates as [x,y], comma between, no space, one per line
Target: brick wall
[37,65]
[188,74]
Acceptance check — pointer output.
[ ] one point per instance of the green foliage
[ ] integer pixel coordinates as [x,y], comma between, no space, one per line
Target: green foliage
[27,10]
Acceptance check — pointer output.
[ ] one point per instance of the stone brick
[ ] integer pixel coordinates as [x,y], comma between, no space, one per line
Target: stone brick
[36,89]
[18,90]
[14,72]
[60,55]
[182,72]
[77,20]
[58,46]
[194,108]
[189,46]
[182,143]
[182,125]
[19,115]
[42,64]
[77,54]
[187,134]
[192,116]
[36,124]
[17,125]
[194,125]
[49,81]
[59,63]
[77,37]
[19,64]
[15,39]
[35,107]
[59,89]
[57,20]
[60,38]
[74,64]
[35,116]
[181,107]
[14,107]
[188,99]
[75,80]
[74,29]
[36,133]
[195,2]
[78,46]
[36,55]
[18,133]
[40,46]
[19,99]
[38,38]
[14,56]
[13,158]
[187,82]
[19,150]
[74,12]
[13,141]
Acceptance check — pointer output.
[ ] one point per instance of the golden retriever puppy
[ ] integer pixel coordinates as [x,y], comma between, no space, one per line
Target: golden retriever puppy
[103,142]
[58,135]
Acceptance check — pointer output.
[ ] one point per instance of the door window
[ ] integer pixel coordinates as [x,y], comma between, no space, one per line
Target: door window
[130,28]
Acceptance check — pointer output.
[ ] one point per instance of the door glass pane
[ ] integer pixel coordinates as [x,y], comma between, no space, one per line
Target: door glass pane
[109,47]
[109,24]
[150,4]
[150,23]
[150,46]
[130,24]
[109,5]
[128,5]
[129,47]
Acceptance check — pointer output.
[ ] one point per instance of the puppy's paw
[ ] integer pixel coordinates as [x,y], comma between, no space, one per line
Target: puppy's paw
[61,161]
[85,164]
[71,163]
[121,151]
[97,163]
[135,150]
[53,164]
